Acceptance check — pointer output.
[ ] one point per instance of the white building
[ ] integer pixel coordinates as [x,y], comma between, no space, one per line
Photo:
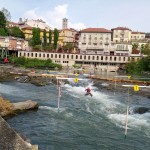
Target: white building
[137,36]
[39,23]
[100,62]
[96,41]
[121,34]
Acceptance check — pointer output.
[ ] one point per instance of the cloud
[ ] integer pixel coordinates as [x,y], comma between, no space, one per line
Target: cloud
[31,14]
[77,26]
[53,17]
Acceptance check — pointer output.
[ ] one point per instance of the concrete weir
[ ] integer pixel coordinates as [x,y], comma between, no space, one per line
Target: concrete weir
[11,140]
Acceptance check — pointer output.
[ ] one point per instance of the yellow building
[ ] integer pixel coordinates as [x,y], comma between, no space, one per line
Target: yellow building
[27,30]
[66,36]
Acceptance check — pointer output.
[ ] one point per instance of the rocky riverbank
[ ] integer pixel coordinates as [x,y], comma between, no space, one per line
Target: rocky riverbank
[9,138]
[110,85]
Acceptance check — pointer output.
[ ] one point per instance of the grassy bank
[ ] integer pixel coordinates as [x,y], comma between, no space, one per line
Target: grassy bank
[5,106]
[34,63]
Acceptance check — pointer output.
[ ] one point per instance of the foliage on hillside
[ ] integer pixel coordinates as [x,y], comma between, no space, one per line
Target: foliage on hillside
[138,66]
[34,63]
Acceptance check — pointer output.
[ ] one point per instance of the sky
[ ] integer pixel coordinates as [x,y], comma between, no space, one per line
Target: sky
[134,14]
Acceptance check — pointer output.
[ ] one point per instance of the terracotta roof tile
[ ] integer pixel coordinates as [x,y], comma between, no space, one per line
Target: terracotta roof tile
[138,33]
[121,28]
[95,30]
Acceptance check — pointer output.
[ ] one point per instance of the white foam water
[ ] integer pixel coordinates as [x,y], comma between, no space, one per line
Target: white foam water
[110,107]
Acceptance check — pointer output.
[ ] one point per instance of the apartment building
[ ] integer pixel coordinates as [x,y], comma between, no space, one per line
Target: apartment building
[27,30]
[136,36]
[95,41]
[13,43]
[121,34]
[67,36]
[123,49]
[39,23]
[12,24]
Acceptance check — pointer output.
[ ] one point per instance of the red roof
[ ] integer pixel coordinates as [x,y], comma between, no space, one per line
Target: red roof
[138,33]
[95,30]
[121,28]
[14,23]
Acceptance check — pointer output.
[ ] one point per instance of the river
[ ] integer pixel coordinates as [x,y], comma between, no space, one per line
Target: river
[83,123]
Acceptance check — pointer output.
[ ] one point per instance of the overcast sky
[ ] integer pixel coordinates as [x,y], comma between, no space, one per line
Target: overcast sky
[134,14]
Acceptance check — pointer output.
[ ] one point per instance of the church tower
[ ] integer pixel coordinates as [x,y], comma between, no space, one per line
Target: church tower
[64,23]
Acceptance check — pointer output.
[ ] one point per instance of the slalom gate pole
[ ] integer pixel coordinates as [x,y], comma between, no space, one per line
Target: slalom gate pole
[126,122]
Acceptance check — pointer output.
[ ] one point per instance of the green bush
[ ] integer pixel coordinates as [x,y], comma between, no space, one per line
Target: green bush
[37,47]
[138,66]
[34,63]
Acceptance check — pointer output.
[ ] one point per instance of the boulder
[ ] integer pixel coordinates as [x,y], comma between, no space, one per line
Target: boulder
[26,105]
[138,110]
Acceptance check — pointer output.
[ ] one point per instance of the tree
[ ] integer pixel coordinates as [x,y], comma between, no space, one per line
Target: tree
[45,38]
[7,14]
[135,46]
[56,35]
[2,20]
[145,49]
[50,37]
[16,32]
[68,47]
[36,36]
[3,32]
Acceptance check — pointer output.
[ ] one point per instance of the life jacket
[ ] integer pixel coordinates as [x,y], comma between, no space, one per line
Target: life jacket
[88,90]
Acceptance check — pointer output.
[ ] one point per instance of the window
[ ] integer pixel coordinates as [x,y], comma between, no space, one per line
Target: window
[51,55]
[35,54]
[97,58]
[24,54]
[43,55]
[89,57]
[80,57]
[28,54]
[93,57]
[124,59]
[110,58]
[55,55]
[63,56]
[114,58]
[47,55]
[84,57]
[119,58]
[71,56]
[67,56]
[101,57]
[59,55]
[76,56]
[106,58]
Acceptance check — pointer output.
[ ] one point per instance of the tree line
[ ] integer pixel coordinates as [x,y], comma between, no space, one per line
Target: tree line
[137,67]
[44,43]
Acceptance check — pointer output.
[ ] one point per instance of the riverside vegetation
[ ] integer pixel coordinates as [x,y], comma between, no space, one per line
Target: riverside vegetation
[34,63]
[142,65]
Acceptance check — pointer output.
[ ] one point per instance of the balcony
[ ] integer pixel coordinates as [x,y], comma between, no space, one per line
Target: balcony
[122,32]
